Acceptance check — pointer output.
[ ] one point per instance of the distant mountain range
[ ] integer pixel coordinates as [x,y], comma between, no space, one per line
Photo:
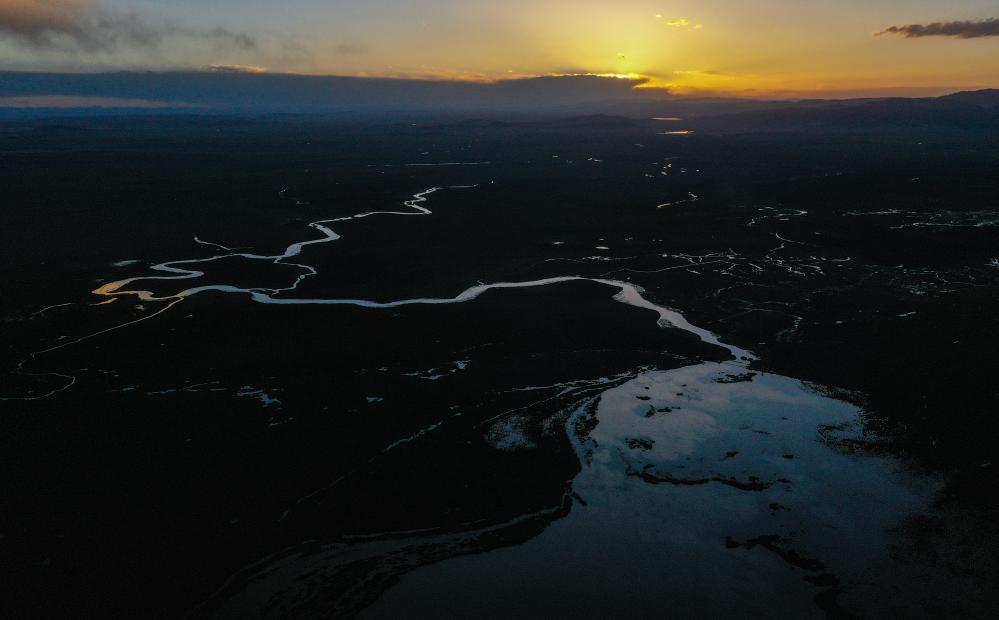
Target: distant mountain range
[586,100]
[965,109]
[249,92]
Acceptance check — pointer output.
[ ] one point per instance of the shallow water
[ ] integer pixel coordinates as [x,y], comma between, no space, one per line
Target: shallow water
[706,491]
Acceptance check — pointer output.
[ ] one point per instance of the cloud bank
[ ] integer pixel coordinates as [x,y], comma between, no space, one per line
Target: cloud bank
[74,33]
[84,26]
[961,29]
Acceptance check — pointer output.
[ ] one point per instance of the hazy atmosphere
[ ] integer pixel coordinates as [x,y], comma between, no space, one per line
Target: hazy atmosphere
[769,48]
[511,309]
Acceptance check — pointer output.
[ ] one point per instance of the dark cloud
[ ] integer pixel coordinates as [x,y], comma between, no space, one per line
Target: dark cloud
[34,19]
[239,40]
[84,26]
[961,30]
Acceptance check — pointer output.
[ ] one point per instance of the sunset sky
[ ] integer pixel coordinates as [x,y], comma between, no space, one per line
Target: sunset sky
[754,48]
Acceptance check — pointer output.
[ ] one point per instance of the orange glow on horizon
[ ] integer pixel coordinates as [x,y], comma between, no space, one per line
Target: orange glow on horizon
[770,48]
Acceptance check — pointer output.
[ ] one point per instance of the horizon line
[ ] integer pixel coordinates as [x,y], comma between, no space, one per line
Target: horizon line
[642,83]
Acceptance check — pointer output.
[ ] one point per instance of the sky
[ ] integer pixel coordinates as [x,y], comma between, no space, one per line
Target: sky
[766,48]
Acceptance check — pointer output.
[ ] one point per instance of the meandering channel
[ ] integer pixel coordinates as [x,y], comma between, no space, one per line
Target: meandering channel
[180,270]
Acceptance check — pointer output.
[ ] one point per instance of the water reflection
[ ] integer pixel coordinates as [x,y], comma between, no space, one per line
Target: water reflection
[706,491]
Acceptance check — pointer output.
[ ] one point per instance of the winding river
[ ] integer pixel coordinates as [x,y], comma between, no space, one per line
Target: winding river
[708,490]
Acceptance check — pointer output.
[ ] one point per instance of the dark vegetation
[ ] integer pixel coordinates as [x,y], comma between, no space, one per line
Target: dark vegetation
[161,472]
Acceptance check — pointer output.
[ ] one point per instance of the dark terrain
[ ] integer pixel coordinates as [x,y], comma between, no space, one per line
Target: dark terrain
[855,250]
